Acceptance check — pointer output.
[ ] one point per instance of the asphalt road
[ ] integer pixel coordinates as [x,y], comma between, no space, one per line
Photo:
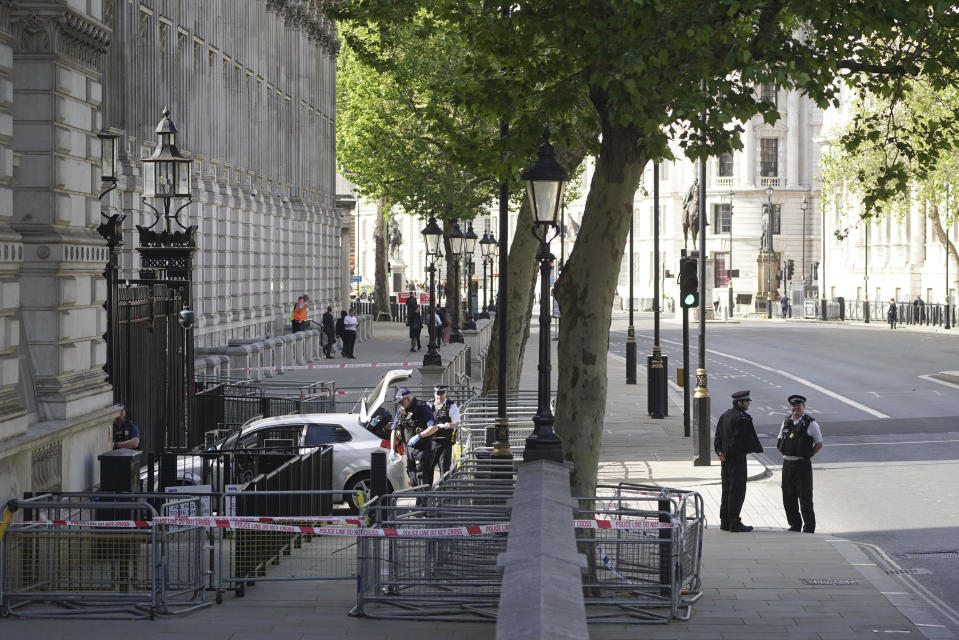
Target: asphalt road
[888,475]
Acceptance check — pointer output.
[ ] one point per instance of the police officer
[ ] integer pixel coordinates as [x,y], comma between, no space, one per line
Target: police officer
[414,424]
[735,438]
[800,438]
[447,416]
[126,435]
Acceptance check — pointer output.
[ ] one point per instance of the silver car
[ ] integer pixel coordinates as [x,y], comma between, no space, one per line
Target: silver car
[353,436]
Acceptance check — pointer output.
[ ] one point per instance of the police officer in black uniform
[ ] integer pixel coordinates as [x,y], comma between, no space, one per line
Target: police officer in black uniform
[414,424]
[800,438]
[735,438]
[447,416]
[126,435]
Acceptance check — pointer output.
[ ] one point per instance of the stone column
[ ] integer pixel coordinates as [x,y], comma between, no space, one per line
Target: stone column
[55,118]
[792,140]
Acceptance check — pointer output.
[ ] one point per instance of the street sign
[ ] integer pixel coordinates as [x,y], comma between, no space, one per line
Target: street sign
[402,296]
[424,298]
[356,278]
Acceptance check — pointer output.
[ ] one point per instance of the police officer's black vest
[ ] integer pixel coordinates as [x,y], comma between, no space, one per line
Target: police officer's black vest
[795,440]
[124,432]
[441,414]
[411,423]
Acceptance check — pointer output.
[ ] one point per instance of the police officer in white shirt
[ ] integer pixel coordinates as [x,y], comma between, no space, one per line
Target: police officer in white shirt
[800,438]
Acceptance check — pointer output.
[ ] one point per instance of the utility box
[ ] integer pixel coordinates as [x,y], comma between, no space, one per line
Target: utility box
[120,470]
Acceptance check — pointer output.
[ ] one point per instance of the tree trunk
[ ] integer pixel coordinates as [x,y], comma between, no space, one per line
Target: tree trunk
[585,294]
[454,268]
[939,229]
[523,277]
[381,292]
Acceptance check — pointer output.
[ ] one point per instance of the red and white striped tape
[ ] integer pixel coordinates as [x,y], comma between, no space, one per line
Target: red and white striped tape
[345,365]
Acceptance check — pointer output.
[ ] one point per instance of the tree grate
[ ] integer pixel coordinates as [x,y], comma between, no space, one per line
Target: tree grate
[908,572]
[932,554]
[831,581]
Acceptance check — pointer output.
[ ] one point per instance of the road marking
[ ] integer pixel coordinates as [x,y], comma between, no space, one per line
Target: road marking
[938,381]
[859,444]
[800,380]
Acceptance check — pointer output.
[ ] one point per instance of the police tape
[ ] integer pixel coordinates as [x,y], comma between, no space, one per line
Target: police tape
[264,523]
[345,365]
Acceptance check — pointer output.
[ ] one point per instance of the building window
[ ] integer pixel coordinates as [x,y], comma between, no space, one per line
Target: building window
[725,165]
[722,217]
[720,269]
[769,157]
[768,91]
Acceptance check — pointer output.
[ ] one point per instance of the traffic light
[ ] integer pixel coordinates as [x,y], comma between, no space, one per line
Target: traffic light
[790,269]
[688,283]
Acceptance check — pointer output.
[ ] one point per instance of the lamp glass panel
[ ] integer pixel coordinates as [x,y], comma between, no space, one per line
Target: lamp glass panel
[456,245]
[469,245]
[432,243]
[183,179]
[149,179]
[108,158]
[166,178]
[544,198]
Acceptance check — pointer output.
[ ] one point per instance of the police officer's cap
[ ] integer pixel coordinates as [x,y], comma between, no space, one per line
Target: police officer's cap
[402,393]
[441,388]
[741,395]
[796,399]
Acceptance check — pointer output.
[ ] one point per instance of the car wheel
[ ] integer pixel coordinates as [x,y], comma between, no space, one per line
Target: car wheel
[358,483]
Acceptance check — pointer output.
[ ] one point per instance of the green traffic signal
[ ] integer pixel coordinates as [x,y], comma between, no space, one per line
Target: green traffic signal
[690,300]
[688,282]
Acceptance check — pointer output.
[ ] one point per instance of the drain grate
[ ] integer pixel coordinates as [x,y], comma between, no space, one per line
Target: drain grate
[831,581]
[932,554]
[908,572]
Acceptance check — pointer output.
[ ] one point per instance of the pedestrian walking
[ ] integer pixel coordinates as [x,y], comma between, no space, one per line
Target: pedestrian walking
[918,310]
[340,331]
[414,320]
[447,325]
[735,438]
[446,413]
[893,314]
[329,330]
[800,438]
[414,425]
[411,303]
[349,334]
[784,303]
[300,313]
[125,435]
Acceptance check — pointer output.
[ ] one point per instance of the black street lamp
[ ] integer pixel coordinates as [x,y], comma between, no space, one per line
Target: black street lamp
[768,240]
[166,256]
[545,185]
[493,256]
[111,229]
[486,250]
[433,237]
[457,244]
[469,248]
[731,305]
[630,330]
[804,206]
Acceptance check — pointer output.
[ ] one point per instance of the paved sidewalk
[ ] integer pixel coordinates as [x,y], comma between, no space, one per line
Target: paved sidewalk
[753,583]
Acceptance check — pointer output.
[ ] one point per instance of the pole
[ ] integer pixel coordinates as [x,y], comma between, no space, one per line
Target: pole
[687,430]
[543,443]
[948,300]
[631,331]
[701,396]
[501,443]
[865,308]
[825,315]
[730,308]
[432,356]
[657,372]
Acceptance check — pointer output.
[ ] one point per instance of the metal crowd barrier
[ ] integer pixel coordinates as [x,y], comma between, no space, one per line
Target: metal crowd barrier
[72,558]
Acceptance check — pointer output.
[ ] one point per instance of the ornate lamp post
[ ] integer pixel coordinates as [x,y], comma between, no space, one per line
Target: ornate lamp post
[731,306]
[486,249]
[166,256]
[433,237]
[457,243]
[493,256]
[111,229]
[545,185]
[469,248]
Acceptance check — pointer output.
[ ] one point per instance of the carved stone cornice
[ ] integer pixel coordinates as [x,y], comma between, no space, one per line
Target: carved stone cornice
[6,8]
[307,17]
[43,29]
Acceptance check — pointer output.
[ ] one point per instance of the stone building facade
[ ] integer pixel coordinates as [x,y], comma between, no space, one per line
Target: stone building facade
[251,88]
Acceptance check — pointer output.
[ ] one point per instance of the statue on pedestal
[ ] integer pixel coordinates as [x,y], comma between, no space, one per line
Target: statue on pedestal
[691,213]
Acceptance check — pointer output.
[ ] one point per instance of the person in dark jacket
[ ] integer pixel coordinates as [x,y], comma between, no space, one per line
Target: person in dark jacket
[125,435]
[414,424]
[415,322]
[735,438]
[329,330]
[893,314]
[340,330]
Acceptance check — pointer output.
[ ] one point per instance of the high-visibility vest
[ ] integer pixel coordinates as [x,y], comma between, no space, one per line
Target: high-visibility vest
[299,312]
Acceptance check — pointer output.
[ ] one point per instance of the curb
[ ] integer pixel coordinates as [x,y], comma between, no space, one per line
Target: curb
[756,469]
